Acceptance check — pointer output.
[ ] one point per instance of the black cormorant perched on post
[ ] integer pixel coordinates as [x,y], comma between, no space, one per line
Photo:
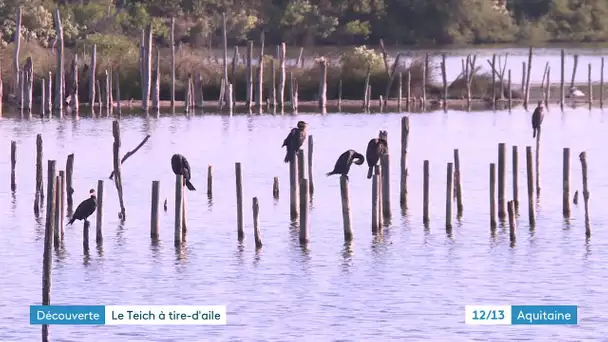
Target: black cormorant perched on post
[537,118]
[345,161]
[294,141]
[180,166]
[376,148]
[85,209]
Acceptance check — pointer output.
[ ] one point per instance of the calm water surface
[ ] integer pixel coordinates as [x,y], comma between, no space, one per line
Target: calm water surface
[410,284]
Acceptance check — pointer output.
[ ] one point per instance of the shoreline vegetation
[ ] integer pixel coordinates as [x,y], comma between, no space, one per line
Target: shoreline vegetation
[128,42]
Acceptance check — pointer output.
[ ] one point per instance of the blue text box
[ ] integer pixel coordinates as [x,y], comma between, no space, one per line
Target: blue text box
[544,314]
[67,314]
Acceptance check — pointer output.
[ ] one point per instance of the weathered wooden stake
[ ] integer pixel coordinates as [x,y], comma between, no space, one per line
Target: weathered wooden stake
[92,75]
[450,195]
[179,191]
[512,222]
[260,81]
[275,188]
[49,92]
[566,183]
[49,238]
[561,83]
[255,206]
[39,197]
[304,211]
[61,186]
[515,178]
[527,94]
[602,83]
[529,168]
[239,201]
[156,84]
[28,72]
[492,195]
[510,97]
[590,91]
[400,91]
[293,188]
[386,181]
[99,221]
[249,76]
[583,157]
[74,100]
[172,41]
[502,184]
[147,72]
[13,163]
[375,202]
[323,85]
[117,174]
[311,186]
[209,181]
[457,183]
[425,192]
[346,218]
[405,131]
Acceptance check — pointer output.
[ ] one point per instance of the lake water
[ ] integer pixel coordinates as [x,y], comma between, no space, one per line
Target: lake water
[411,283]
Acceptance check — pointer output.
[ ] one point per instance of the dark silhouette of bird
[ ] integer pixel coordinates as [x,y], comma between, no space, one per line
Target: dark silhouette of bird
[537,118]
[180,166]
[294,141]
[376,148]
[345,161]
[85,209]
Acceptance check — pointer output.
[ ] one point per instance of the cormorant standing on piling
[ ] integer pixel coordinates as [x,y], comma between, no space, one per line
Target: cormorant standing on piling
[537,118]
[180,166]
[345,161]
[85,209]
[376,148]
[294,141]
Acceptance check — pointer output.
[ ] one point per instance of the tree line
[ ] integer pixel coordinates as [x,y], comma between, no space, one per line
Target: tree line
[315,22]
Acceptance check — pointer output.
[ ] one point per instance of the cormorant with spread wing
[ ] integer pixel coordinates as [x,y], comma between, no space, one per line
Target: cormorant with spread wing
[294,141]
[180,166]
[376,148]
[344,162]
[85,209]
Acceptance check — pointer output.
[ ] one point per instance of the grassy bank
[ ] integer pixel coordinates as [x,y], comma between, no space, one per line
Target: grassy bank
[352,67]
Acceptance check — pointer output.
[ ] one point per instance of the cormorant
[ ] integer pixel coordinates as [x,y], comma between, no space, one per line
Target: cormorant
[537,118]
[85,209]
[345,161]
[180,166]
[376,148]
[294,141]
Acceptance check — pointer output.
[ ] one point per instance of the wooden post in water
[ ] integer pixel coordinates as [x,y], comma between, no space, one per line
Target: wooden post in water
[346,218]
[209,181]
[59,75]
[399,91]
[538,162]
[239,201]
[502,170]
[275,188]
[378,171]
[515,178]
[409,91]
[13,163]
[494,81]
[303,210]
[566,183]
[293,188]
[117,173]
[311,186]
[61,186]
[57,225]
[42,97]
[51,197]
[340,94]
[449,196]
[445,81]
[147,72]
[39,197]
[99,221]
[583,158]
[255,206]
[156,84]
[117,85]
[512,223]
[529,168]
[523,78]
[106,93]
[527,95]
[49,92]
[28,72]
[548,87]
[98,87]
[179,191]
[561,82]
[249,76]
[492,195]
[457,183]
[424,79]
[375,202]
[385,186]
[273,92]
[48,244]
[154,223]
[425,192]
[405,131]
[92,74]
[574,68]
[74,99]
[282,76]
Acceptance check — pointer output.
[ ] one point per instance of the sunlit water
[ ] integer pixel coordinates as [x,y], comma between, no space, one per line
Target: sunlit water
[410,284]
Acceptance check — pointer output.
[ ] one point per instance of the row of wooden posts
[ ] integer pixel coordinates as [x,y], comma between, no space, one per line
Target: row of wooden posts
[150,79]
